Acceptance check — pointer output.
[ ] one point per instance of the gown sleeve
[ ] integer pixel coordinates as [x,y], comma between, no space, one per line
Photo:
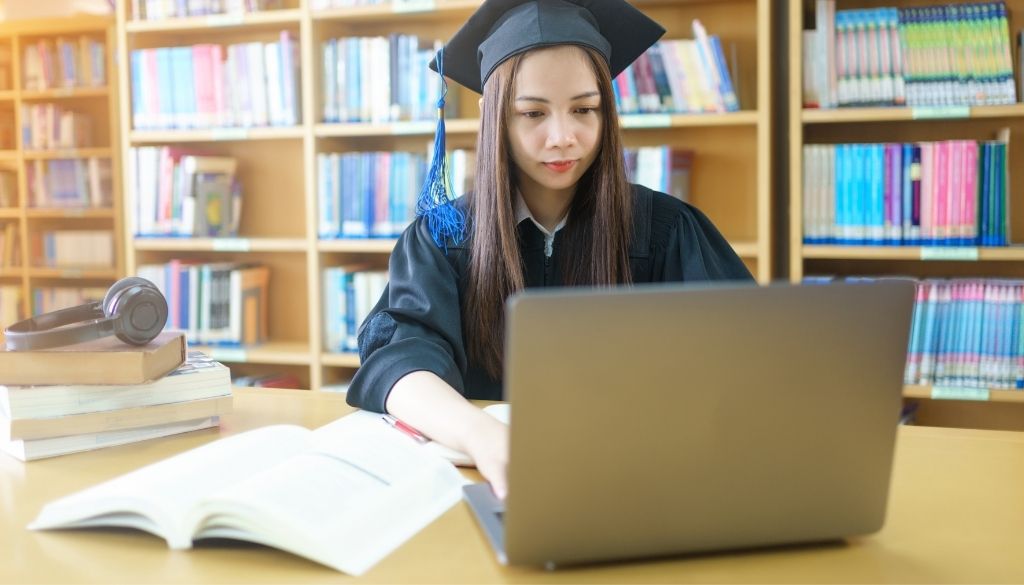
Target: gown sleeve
[416,325]
[697,251]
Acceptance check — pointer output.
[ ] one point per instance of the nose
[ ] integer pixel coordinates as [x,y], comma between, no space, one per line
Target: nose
[560,131]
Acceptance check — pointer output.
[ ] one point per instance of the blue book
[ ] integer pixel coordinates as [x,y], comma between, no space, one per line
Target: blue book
[138,101]
[875,179]
[183,87]
[726,88]
[661,79]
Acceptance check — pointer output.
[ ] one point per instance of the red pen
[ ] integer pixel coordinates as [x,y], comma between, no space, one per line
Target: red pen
[411,432]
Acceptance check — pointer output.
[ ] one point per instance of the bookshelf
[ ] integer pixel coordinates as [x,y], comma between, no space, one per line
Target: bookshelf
[86,96]
[936,405]
[278,165]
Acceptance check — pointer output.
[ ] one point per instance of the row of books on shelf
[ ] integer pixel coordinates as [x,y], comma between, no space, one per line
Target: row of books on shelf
[967,333]
[275,380]
[953,193]
[373,194]
[180,192]
[210,85]
[59,402]
[349,296]
[72,248]
[950,54]
[10,245]
[661,168]
[681,76]
[52,298]
[10,304]
[64,62]
[49,126]
[381,79]
[70,183]
[964,333]
[162,9]
[221,303]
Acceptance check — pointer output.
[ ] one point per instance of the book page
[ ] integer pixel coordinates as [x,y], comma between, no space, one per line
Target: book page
[157,498]
[360,493]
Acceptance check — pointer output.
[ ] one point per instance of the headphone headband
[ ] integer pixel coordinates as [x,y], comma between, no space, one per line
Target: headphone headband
[112,316]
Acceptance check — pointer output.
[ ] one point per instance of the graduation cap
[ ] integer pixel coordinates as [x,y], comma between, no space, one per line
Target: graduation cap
[500,29]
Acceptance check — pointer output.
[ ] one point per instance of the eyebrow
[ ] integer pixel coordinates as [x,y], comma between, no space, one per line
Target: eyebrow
[530,98]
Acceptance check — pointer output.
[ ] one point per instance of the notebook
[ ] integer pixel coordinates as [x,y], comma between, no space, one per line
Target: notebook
[666,419]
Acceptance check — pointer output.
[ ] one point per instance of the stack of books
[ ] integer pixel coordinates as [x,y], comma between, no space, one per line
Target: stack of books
[104,393]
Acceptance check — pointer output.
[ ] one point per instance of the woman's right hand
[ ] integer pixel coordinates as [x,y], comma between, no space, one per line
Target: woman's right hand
[487,444]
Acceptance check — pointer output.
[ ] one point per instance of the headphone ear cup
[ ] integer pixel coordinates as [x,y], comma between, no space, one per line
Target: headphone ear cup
[140,309]
[115,290]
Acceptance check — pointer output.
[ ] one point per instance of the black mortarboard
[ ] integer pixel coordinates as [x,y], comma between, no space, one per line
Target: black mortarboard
[500,29]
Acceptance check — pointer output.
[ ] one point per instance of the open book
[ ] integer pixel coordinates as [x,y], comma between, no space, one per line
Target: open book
[344,495]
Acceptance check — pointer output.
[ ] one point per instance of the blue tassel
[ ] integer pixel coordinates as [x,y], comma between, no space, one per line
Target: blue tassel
[436,200]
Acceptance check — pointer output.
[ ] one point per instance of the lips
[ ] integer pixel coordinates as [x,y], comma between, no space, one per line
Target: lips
[560,166]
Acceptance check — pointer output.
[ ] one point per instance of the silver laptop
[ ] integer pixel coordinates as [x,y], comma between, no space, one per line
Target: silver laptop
[670,419]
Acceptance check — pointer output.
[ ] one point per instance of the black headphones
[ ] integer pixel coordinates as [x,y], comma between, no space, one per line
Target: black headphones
[133,309]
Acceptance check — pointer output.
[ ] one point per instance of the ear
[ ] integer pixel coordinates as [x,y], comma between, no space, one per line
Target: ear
[480,103]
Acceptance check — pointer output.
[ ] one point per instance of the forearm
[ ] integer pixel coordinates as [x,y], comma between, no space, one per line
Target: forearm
[426,402]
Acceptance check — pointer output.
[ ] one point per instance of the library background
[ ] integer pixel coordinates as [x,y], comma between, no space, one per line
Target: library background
[257,160]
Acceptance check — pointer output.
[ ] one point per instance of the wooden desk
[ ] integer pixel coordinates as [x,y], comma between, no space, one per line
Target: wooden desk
[956,514]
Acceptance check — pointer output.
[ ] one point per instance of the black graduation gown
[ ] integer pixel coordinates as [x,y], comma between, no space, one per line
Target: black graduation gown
[416,325]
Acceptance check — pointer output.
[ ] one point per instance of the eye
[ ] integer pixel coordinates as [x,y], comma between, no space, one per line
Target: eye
[586,110]
[531,114]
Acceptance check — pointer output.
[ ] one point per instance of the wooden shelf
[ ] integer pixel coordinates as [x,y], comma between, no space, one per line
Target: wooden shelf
[436,10]
[10,272]
[65,93]
[423,127]
[653,121]
[78,212]
[1007,254]
[340,360]
[215,135]
[269,19]
[894,114]
[970,394]
[745,249]
[74,273]
[357,246]
[10,213]
[99,103]
[472,126]
[279,165]
[156,244]
[84,152]
[272,352]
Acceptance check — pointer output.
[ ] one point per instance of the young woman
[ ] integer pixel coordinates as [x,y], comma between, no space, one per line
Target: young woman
[551,207]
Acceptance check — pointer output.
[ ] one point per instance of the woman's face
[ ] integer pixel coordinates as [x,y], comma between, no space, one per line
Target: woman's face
[555,122]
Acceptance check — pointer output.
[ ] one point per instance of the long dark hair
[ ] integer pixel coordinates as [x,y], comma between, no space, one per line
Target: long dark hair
[595,241]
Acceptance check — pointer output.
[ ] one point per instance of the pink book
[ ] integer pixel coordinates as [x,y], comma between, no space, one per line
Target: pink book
[970,206]
[382,195]
[202,59]
[956,190]
[940,199]
[927,195]
[220,107]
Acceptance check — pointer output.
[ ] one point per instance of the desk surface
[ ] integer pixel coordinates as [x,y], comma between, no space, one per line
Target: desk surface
[956,514]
